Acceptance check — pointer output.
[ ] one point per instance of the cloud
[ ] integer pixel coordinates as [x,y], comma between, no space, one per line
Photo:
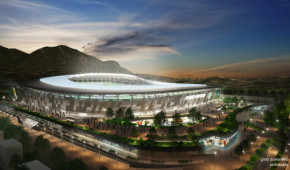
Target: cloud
[28,5]
[278,66]
[122,47]
[160,33]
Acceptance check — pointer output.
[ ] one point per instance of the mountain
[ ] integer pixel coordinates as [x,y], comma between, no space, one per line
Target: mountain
[51,61]
[156,77]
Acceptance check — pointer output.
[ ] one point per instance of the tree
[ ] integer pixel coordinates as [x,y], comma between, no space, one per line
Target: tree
[42,144]
[22,167]
[76,164]
[14,161]
[103,168]
[57,156]
[110,112]
[191,134]
[160,118]
[246,144]
[176,119]
[12,131]
[194,115]
[239,150]
[129,114]
[134,133]
[119,113]
[26,141]
[152,133]
[30,156]
[171,133]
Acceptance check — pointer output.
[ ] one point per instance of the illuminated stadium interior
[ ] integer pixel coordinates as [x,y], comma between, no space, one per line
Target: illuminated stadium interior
[109,79]
[113,83]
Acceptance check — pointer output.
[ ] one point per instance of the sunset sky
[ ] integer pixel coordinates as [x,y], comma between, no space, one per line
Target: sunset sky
[165,37]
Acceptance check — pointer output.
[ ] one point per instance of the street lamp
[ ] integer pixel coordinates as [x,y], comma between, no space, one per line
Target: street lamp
[84,146]
[215,153]
[116,158]
[72,142]
[243,155]
[99,152]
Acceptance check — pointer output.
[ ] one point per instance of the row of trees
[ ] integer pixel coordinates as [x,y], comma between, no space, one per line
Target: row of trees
[39,149]
[120,113]
[245,145]
[256,91]
[160,118]
[279,117]
[234,100]
[55,158]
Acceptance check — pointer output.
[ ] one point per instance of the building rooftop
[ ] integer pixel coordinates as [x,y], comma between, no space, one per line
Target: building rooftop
[36,165]
[9,143]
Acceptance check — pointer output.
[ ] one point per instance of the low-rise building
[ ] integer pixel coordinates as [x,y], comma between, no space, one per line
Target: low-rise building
[36,165]
[1,135]
[8,148]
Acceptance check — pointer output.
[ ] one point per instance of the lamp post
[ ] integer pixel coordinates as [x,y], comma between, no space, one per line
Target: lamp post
[215,153]
[116,158]
[243,155]
[72,144]
[99,152]
[84,146]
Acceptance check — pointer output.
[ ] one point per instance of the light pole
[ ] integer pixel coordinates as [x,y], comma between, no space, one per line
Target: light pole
[116,158]
[215,153]
[84,146]
[243,155]
[99,152]
[72,142]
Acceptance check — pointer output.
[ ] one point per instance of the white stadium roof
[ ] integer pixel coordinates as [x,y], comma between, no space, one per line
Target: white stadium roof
[98,83]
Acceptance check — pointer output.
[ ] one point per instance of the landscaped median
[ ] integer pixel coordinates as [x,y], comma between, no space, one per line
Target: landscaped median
[250,125]
[279,155]
[259,152]
[228,126]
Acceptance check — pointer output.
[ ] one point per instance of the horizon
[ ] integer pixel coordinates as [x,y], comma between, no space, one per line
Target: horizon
[176,39]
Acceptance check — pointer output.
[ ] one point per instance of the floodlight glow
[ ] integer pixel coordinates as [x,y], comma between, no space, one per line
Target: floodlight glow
[106,82]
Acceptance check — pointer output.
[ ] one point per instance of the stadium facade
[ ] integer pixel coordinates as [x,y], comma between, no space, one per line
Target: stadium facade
[91,94]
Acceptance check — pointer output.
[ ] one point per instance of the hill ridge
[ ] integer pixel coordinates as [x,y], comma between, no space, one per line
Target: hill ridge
[51,61]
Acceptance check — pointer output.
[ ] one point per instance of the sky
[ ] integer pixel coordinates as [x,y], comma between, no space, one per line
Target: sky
[162,37]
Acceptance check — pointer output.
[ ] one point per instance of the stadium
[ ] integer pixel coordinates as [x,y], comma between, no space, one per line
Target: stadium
[91,94]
